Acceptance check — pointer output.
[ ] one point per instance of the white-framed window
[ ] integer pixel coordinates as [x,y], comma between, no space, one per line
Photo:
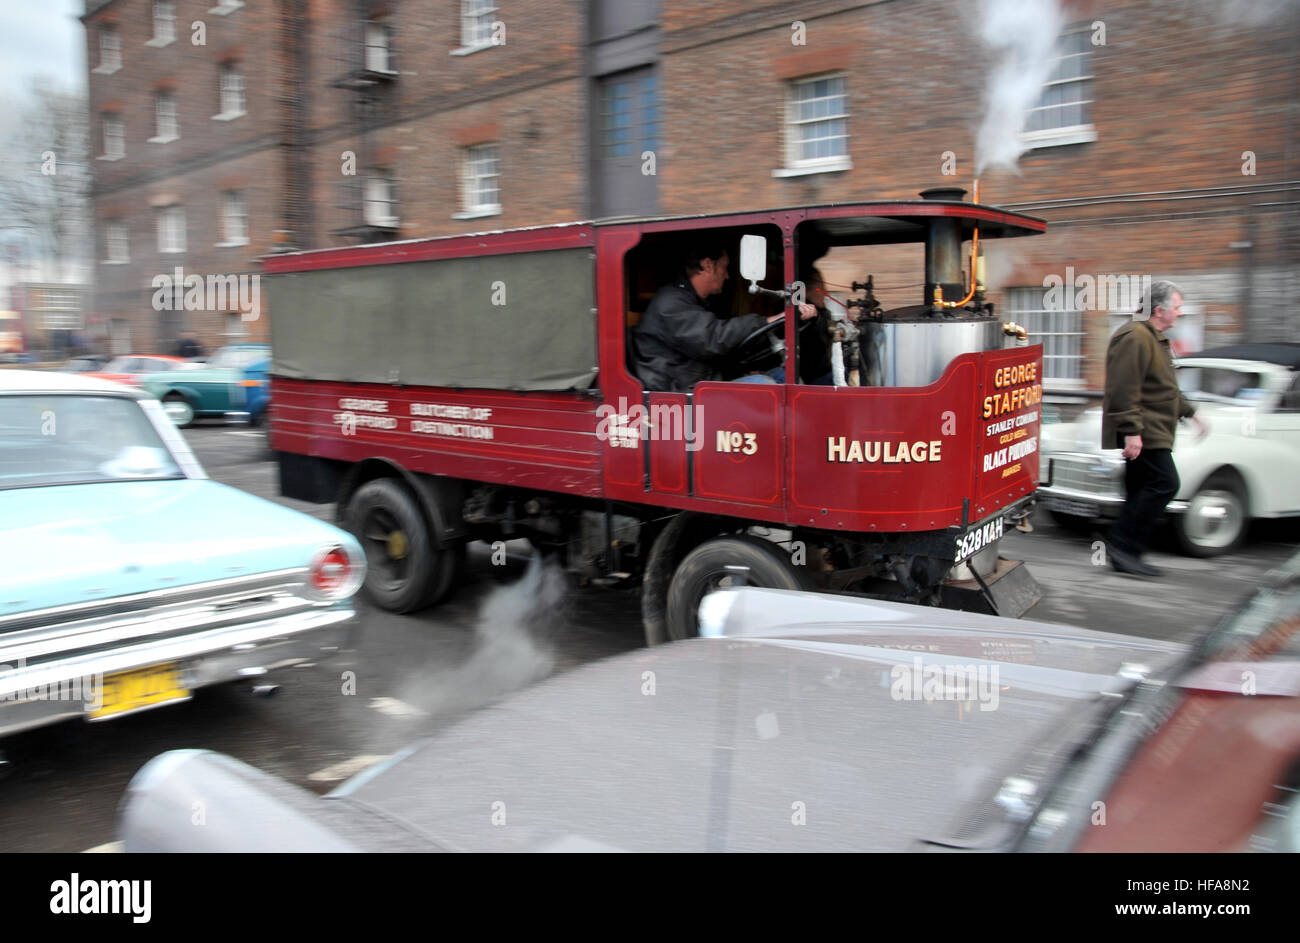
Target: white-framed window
[381,198]
[379,55]
[231,92]
[480,182]
[1058,328]
[167,127]
[476,21]
[1063,114]
[171,229]
[114,137]
[164,23]
[816,126]
[117,247]
[234,218]
[110,50]
[225,7]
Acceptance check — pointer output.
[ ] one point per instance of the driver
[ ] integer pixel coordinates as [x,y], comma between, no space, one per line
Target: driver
[679,340]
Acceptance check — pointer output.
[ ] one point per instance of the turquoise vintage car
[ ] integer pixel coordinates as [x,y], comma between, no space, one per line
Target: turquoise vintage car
[231,386]
[127,578]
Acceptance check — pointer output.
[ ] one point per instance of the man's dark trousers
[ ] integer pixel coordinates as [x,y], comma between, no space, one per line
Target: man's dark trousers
[1150,482]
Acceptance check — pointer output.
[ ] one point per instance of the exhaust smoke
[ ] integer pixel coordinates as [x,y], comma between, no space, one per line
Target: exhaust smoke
[510,648]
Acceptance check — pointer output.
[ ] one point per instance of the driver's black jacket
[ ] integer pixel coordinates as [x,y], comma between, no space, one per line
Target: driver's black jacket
[678,338]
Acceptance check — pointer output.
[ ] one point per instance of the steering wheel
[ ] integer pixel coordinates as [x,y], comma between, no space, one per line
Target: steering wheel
[761,345]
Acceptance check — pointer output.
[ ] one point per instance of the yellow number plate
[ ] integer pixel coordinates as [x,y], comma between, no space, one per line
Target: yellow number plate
[136,690]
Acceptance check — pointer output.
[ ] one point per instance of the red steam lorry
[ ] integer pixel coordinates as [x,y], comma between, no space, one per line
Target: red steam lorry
[483,387]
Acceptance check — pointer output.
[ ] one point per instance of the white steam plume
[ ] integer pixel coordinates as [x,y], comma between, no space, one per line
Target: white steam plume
[1020,36]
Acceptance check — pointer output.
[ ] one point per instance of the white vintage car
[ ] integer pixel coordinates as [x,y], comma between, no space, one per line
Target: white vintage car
[1247,467]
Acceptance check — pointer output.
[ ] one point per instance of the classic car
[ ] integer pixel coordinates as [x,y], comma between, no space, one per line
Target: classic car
[217,389]
[1245,468]
[130,367]
[804,722]
[87,364]
[128,579]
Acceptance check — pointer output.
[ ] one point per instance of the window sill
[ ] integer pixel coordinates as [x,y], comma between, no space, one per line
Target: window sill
[174,137]
[1059,137]
[835,165]
[470,50]
[224,9]
[116,262]
[157,43]
[106,69]
[478,213]
[171,251]
[229,115]
[110,157]
[386,222]
[230,245]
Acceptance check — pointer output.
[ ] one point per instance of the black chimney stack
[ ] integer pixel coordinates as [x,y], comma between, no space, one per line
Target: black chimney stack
[943,250]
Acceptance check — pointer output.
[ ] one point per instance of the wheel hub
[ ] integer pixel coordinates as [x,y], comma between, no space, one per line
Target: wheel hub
[397,545]
[1215,518]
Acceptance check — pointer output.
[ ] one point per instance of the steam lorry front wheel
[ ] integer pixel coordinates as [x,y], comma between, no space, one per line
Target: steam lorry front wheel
[725,563]
[405,569]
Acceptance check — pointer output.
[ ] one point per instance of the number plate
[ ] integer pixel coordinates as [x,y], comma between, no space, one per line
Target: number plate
[139,689]
[976,539]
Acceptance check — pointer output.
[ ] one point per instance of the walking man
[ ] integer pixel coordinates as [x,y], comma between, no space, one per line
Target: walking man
[1141,409]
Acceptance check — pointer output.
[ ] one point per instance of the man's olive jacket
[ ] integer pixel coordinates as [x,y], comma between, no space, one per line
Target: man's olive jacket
[1142,394]
[679,340]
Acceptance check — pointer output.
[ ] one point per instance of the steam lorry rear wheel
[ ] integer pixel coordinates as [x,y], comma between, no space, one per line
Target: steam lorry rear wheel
[405,569]
[723,563]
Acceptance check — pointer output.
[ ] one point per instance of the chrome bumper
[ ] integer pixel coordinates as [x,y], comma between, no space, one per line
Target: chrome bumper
[54,672]
[1064,472]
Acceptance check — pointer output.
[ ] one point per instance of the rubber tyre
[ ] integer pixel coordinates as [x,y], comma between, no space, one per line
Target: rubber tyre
[180,418]
[1200,535]
[700,570]
[423,574]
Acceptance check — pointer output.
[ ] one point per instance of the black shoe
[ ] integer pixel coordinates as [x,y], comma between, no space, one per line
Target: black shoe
[1126,562]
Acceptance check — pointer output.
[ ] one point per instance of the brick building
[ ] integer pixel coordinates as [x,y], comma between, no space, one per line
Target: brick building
[1164,140]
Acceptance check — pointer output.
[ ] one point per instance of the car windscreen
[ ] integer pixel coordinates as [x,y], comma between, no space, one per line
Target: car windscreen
[1222,383]
[78,439]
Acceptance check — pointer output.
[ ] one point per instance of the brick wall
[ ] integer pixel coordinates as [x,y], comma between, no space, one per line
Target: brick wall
[1180,94]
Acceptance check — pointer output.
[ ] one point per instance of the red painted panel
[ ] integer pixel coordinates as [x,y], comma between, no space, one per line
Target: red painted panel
[567,236]
[670,422]
[1007,427]
[542,440]
[883,459]
[742,445]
